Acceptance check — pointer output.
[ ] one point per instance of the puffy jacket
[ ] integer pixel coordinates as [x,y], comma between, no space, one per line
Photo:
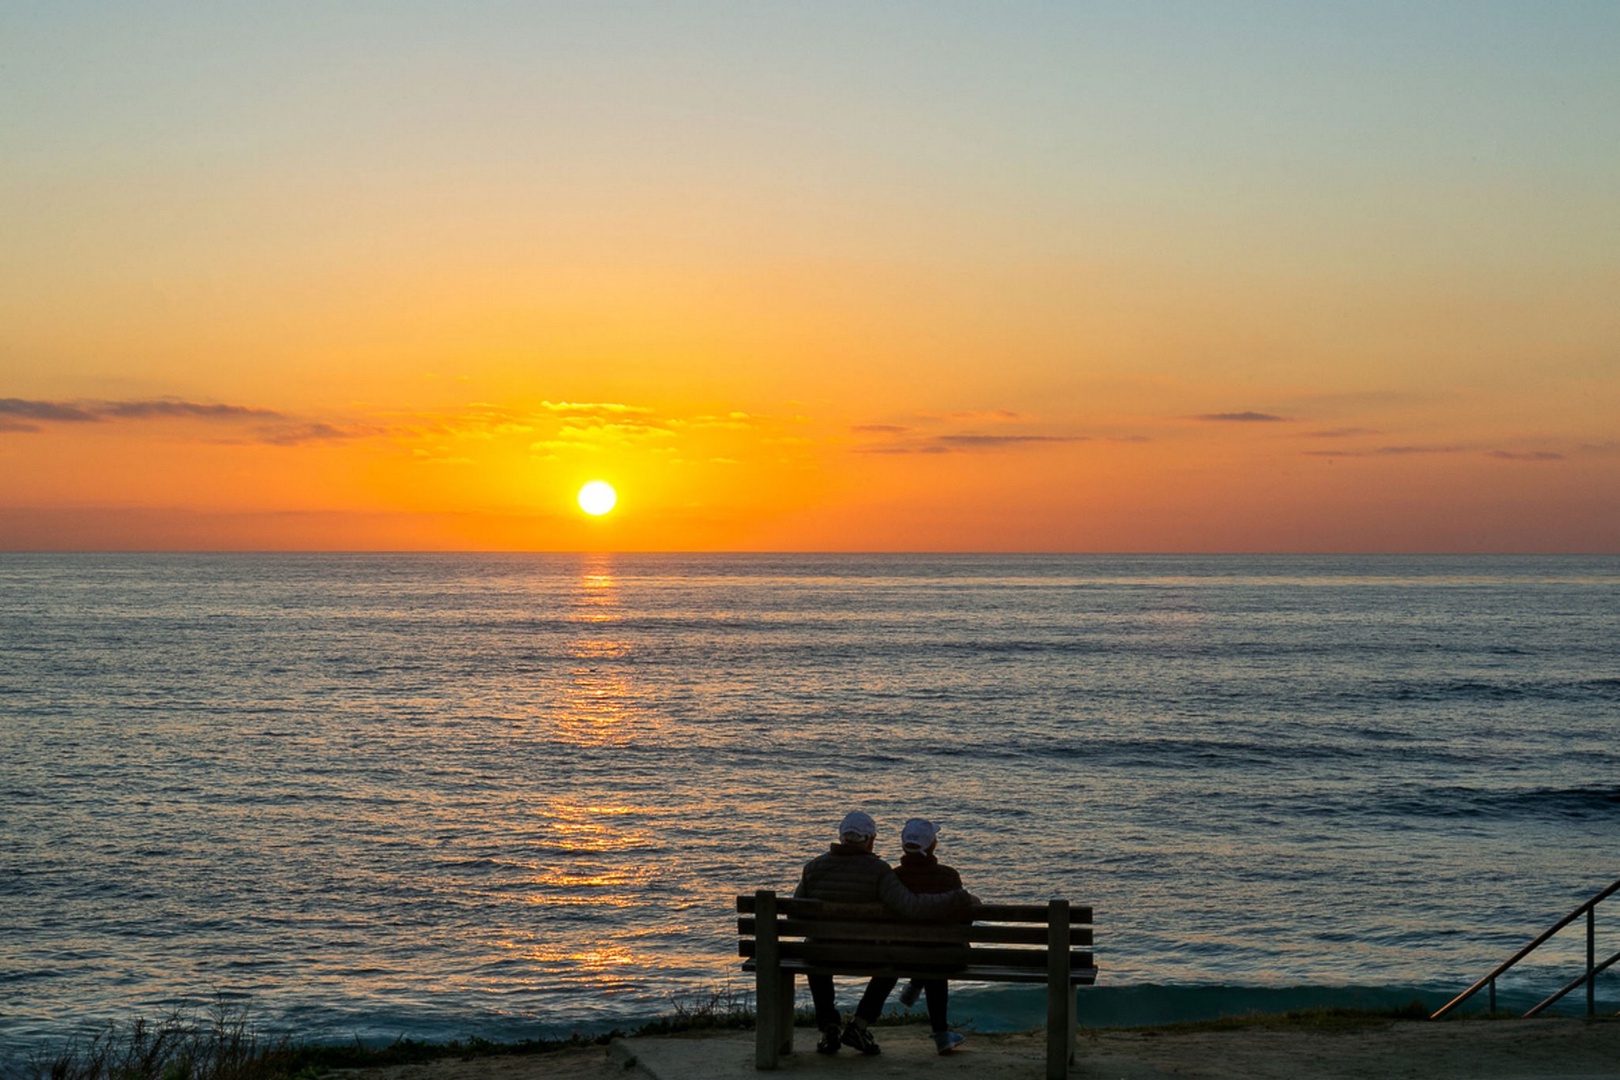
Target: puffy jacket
[922,873]
[850,874]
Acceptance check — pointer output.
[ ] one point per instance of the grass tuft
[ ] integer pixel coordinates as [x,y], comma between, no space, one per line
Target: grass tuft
[219,1045]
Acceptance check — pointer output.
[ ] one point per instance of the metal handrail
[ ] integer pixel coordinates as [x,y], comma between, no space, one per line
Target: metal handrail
[1589,977]
[1572,984]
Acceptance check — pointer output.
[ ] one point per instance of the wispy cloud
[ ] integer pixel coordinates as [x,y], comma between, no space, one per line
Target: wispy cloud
[1242,418]
[1529,455]
[21,414]
[967,443]
[24,415]
[298,434]
[245,423]
[593,408]
[1421,450]
[925,436]
[1337,433]
[996,442]
[147,410]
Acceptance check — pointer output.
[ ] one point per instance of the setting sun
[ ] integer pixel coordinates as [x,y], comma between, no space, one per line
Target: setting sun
[597,498]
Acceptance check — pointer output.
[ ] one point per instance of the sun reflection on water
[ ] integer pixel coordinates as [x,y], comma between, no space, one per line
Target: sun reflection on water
[597,706]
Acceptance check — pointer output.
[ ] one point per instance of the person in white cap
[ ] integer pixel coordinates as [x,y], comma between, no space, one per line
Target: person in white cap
[921,871]
[851,874]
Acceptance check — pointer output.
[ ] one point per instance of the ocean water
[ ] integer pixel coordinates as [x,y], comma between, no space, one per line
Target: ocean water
[510,796]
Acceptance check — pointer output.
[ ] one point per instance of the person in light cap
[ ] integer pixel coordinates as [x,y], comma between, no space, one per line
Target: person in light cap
[850,874]
[922,872]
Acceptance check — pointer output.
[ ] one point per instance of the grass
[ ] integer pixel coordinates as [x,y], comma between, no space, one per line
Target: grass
[222,1044]
[217,1046]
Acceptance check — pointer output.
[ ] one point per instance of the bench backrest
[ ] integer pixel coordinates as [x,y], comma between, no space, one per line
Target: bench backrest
[1004,942]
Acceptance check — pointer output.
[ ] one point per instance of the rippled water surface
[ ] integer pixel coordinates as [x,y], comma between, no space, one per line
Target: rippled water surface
[507,795]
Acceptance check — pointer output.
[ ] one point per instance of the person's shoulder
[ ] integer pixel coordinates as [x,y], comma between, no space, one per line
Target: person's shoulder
[821,860]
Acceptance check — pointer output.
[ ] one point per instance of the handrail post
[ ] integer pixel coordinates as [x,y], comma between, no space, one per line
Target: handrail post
[1591,961]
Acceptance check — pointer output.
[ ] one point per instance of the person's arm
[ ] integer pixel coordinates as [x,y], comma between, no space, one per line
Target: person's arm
[902,901]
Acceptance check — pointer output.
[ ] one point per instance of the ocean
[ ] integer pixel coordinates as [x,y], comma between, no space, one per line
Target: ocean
[510,796]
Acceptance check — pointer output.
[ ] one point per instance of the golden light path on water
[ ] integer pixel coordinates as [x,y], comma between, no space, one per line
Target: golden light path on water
[591,844]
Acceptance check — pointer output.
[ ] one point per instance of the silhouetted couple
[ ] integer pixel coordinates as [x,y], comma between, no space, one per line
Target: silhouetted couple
[921,888]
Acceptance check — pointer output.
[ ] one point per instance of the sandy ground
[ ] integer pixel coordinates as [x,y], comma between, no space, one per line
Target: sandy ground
[1491,1050]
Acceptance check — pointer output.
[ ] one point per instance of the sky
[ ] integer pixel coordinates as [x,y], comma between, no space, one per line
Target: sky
[1013,276]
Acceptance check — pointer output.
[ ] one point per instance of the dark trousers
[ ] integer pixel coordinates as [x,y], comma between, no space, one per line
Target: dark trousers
[821,992]
[938,994]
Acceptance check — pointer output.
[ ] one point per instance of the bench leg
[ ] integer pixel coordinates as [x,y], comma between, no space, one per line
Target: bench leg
[785,1023]
[1059,1043]
[767,1043]
[768,983]
[1059,993]
[1073,1034]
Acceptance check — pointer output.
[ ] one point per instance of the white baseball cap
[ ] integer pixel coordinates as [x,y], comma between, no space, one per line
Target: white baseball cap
[918,835]
[857,826]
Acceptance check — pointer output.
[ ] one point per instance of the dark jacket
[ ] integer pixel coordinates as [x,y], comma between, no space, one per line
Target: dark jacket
[852,875]
[924,873]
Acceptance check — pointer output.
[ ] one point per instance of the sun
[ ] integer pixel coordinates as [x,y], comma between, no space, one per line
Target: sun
[597,497]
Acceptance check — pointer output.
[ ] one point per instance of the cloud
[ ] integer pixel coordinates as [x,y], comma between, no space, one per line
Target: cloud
[26,415]
[1337,433]
[592,408]
[297,434]
[880,429]
[732,421]
[971,443]
[17,414]
[598,429]
[53,411]
[146,410]
[995,442]
[1390,451]
[1531,455]
[1242,418]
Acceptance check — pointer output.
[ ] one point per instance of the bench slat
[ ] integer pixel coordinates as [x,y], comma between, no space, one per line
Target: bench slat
[1014,913]
[856,953]
[914,931]
[1078,976]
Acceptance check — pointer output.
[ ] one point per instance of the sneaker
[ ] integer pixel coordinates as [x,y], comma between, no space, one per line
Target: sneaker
[856,1035]
[908,996]
[829,1040]
[946,1041]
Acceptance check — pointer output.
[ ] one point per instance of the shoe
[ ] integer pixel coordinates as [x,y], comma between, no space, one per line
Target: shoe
[829,1040]
[908,996]
[857,1036]
[946,1041]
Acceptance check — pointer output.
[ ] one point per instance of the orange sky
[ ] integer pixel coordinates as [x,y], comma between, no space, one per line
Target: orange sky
[1011,277]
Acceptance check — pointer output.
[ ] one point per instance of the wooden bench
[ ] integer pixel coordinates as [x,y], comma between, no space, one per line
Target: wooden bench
[783,938]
